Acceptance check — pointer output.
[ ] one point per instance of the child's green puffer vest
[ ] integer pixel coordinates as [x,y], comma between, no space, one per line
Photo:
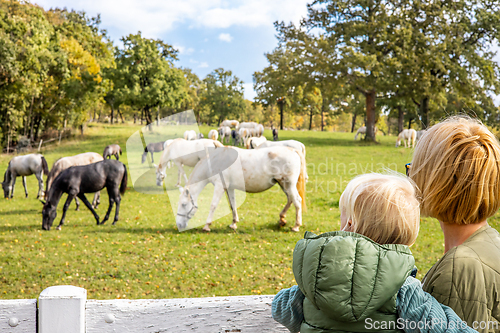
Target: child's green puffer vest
[350,282]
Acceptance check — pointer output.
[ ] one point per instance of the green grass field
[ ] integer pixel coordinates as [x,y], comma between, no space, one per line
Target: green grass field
[145,256]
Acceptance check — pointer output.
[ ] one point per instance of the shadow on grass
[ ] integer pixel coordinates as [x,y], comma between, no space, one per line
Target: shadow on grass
[31,227]
[23,211]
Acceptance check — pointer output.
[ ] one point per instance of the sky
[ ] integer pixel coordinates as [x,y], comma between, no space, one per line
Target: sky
[209,34]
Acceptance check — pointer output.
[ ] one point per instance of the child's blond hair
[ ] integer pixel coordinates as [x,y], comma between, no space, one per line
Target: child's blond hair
[456,165]
[382,207]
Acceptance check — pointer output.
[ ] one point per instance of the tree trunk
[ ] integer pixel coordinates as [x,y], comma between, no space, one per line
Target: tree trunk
[424,112]
[158,116]
[311,119]
[353,122]
[112,114]
[401,118]
[409,123]
[281,115]
[323,114]
[370,115]
[135,117]
[121,115]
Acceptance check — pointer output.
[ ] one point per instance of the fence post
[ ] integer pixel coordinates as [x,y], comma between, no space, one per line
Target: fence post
[61,309]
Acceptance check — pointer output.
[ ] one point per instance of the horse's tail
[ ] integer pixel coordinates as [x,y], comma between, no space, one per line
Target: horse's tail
[120,151]
[123,185]
[45,166]
[218,144]
[104,154]
[301,182]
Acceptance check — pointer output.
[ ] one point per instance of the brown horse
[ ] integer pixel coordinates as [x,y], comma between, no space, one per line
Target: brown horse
[65,162]
[112,150]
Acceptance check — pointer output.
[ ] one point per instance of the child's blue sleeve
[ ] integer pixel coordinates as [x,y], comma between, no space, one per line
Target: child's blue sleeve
[287,308]
[419,312]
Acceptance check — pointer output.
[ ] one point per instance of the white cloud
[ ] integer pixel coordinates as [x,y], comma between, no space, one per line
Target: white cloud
[203,65]
[154,17]
[226,38]
[249,93]
[183,50]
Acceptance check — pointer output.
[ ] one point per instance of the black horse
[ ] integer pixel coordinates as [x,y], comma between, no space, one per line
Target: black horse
[78,180]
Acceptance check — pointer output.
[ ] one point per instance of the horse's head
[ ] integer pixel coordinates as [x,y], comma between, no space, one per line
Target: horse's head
[187,208]
[398,142]
[49,214]
[6,189]
[161,173]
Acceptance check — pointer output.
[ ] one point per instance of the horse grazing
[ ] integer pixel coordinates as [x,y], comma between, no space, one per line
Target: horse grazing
[230,123]
[260,170]
[65,162]
[78,180]
[151,148]
[112,150]
[362,130]
[190,135]
[213,135]
[297,145]
[225,133]
[254,142]
[408,136]
[420,134]
[183,152]
[23,166]
[260,130]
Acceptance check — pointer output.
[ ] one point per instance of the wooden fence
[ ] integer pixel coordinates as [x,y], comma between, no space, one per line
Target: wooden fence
[65,309]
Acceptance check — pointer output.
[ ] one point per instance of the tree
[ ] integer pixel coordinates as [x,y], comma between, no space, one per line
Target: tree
[222,95]
[146,76]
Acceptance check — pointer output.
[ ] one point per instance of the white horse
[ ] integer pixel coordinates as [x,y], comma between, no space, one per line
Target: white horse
[183,152]
[190,135]
[254,142]
[287,143]
[260,130]
[213,135]
[244,134]
[225,133]
[22,166]
[362,130]
[420,133]
[261,169]
[408,136]
[249,124]
[230,123]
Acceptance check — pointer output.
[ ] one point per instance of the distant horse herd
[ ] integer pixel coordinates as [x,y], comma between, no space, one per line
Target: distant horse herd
[408,136]
[264,165]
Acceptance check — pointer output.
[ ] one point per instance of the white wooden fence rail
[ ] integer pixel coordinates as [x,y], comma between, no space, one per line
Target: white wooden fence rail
[65,309]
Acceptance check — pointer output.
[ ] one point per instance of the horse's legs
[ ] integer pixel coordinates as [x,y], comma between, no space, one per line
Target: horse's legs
[14,176]
[39,176]
[293,195]
[218,192]
[65,208]
[117,201]
[111,202]
[180,173]
[282,220]
[97,199]
[25,188]
[152,159]
[77,202]
[232,203]
[117,158]
[89,206]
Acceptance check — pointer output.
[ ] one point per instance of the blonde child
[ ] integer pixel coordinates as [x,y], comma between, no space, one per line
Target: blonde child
[360,279]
